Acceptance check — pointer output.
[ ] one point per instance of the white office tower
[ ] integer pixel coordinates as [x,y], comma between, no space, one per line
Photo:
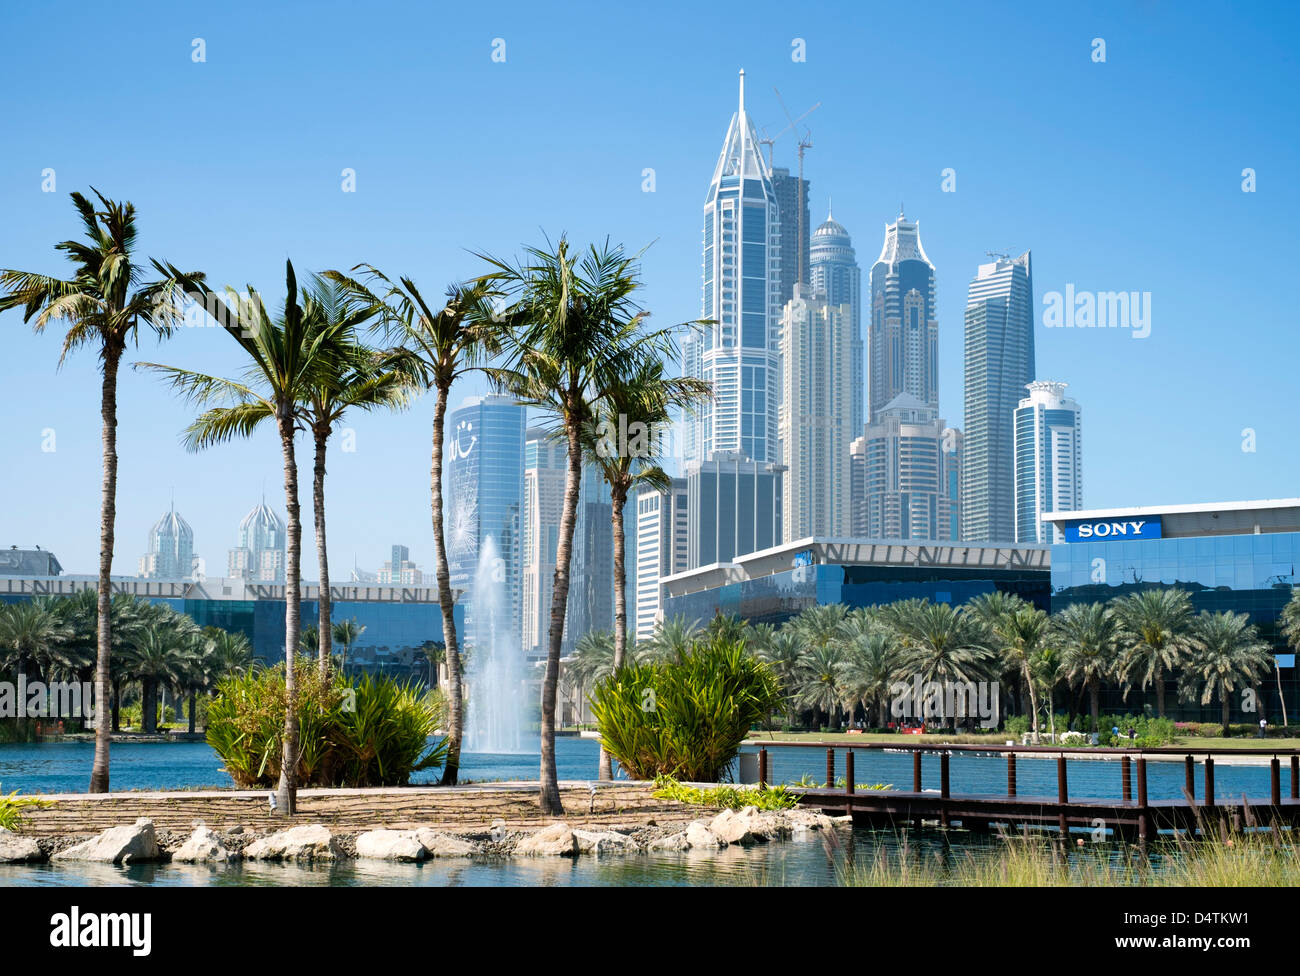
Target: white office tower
[737,354]
[544,472]
[905,474]
[817,346]
[1047,460]
[661,549]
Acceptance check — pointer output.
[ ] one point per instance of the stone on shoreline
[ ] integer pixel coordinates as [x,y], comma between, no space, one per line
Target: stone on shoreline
[802,820]
[557,840]
[698,835]
[117,845]
[309,842]
[202,847]
[673,842]
[603,842]
[438,844]
[16,849]
[390,845]
[745,827]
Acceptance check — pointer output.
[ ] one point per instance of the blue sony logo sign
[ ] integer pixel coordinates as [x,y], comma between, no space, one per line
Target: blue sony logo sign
[1102,530]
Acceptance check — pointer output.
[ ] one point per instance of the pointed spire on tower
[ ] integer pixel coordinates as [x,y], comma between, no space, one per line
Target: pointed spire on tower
[742,91]
[830,214]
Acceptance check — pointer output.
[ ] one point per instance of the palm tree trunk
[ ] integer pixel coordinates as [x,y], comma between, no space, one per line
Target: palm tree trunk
[107,518]
[148,705]
[1033,699]
[193,700]
[286,791]
[1094,689]
[549,794]
[1227,710]
[1160,692]
[618,496]
[117,709]
[318,510]
[1277,669]
[456,704]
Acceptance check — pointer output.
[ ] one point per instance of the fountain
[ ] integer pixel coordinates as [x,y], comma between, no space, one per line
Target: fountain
[496,673]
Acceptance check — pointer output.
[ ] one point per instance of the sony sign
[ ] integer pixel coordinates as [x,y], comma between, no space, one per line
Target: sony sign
[1094,530]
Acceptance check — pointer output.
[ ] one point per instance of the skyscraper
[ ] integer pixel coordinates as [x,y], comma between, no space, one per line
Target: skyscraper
[734,506]
[742,296]
[662,542]
[999,364]
[816,404]
[591,567]
[903,341]
[483,490]
[833,271]
[261,555]
[544,473]
[171,549]
[400,570]
[904,478]
[791,198]
[1047,460]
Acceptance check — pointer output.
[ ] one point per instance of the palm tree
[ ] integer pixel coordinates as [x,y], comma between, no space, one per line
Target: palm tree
[1290,626]
[640,403]
[872,655]
[435,652]
[104,302]
[231,652]
[445,340]
[160,655]
[1230,655]
[672,639]
[940,644]
[1089,637]
[30,633]
[309,641]
[348,632]
[819,684]
[783,652]
[573,331]
[289,355]
[1157,637]
[1018,634]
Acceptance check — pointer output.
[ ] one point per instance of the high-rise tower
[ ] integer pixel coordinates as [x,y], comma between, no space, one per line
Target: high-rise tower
[903,342]
[791,197]
[171,549]
[1047,460]
[738,354]
[999,363]
[835,275]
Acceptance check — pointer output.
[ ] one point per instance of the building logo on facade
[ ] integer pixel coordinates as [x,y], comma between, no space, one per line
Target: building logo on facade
[1105,529]
[462,444]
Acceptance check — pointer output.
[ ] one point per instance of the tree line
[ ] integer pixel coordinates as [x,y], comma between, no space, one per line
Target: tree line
[832,661]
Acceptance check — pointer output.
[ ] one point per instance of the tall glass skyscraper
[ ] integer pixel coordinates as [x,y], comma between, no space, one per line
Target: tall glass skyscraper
[903,343]
[1048,460]
[544,474]
[742,296]
[171,549]
[834,273]
[999,364]
[791,198]
[262,552]
[483,490]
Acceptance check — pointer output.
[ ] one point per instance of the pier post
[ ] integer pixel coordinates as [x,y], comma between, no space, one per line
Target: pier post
[1189,765]
[1143,826]
[830,769]
[1126,778]
[1295,777]
[1275,781]
[762,769]
[848,772]
[1209,781]
[943,789]
[916,773]
[1063,795]
[1011,774]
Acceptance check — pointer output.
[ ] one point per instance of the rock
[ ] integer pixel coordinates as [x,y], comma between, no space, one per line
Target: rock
[15,849]
[309,842]
[203,846]
[603,842]
[699,835]
[438,844]
[801,820]
[674,842]
[391,845]
[557,840]
[732,828]
[236,830]
[117,845]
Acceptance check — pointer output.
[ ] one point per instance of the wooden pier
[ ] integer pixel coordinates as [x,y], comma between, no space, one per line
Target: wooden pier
[1133,814]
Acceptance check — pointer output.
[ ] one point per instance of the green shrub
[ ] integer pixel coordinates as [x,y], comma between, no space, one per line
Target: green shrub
[1016,724]
[12,807]
[684,718]
[368,731]
[731,797]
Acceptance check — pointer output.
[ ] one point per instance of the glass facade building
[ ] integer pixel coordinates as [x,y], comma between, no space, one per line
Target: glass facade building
[1048,459]
[903,340]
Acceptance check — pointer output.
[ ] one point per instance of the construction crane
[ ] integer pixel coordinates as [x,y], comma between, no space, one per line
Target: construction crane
[804,144]
[999,255]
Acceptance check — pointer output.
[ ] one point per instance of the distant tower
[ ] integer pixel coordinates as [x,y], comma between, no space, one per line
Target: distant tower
[999,364]
[903,343]
[742,295]
[835,274]
[789,201]
[171,549]
[545,462]
[261,555]
[1047,460]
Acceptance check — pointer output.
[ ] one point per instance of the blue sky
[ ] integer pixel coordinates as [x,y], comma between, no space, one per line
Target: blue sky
[1121,176]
